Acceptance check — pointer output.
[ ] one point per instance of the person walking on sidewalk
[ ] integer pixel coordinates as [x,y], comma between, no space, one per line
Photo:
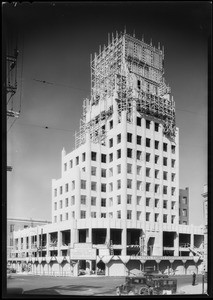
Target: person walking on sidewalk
[193,278]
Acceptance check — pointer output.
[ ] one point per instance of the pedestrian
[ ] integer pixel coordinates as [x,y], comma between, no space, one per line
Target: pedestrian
[193,278]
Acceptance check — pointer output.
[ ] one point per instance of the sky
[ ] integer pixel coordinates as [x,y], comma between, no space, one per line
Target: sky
[55,40]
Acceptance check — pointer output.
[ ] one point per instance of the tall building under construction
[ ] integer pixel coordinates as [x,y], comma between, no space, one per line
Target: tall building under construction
[116,205]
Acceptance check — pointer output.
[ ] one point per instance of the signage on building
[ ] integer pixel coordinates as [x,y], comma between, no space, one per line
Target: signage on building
[103,252]
[83,253]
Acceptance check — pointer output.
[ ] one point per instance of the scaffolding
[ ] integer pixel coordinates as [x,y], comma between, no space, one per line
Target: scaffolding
[129,70]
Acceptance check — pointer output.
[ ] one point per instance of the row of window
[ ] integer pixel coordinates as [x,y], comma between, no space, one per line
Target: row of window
[83,201]
[93,214]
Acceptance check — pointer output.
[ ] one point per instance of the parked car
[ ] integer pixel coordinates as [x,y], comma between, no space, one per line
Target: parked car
[142,285]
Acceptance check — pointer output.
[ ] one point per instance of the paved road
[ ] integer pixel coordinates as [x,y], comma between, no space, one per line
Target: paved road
[84,286]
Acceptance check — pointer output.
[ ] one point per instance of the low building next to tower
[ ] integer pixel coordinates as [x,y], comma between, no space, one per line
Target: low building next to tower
[116,205]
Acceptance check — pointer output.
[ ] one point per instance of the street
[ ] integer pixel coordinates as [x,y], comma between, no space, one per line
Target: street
[82,285]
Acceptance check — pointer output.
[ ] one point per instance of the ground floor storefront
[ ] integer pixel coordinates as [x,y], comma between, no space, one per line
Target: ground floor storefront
[108,265]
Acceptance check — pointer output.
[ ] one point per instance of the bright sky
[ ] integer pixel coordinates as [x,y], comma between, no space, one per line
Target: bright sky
[55,43]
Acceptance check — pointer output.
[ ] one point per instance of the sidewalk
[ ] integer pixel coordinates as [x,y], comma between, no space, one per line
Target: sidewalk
[193,289]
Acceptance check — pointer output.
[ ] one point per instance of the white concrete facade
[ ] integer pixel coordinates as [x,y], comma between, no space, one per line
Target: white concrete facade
[117,202]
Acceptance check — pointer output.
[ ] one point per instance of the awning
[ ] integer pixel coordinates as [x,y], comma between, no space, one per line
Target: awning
[106,259]
[48,259]
[124,258]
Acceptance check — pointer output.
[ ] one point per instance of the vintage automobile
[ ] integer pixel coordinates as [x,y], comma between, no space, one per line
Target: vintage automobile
[142,285]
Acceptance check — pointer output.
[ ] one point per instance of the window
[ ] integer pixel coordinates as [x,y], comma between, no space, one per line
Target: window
[77,160]
[93,186]
[156,126]
[93,214]
[147,187]
[165,190]
[129,152]
[156,159]
[71,163]
[83,156]
[164,161]
[73,184]
[156,217]
[73,200]
[148,142]
[129,183]
[61,218]
[173,149]
[129,199]
[110,157]
[138,215]
[73,214]
[119,199]
[110,215]
[118,184]
[129,215]
[55,219]
[129,137]
[173,163]
[165,204]
[118,153]
[184,200]
[93,201]
[156,202]
[139,168]
[55,207]
[66,202]
[138,200]
[139,154]
[118,169]
[172,219]
[111,124]
[156,145]
[103,158]
[83,214]
[110,201]
[139,140]
[184,213]
[118,138]
[138,121]
[148,157]
[147,124]
[148,172]
[173,191]
[139,83]
[55,192]
[147,216]
[173,176]
[147,201]
[165,175]
[103,172]
[93,170]
[165,147]
[156,188]
[65,167]
[103,202]
[110,172]
[93,156]
[103,187]
[103,215]
[61,203]
[119,214]
[61,190]
[173,205]
[139,185]
[111,142]
[111,187]
[83,184]
[83,199]
[66,187]
[164,218]
[129,168]
[67,216]
[156,174]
